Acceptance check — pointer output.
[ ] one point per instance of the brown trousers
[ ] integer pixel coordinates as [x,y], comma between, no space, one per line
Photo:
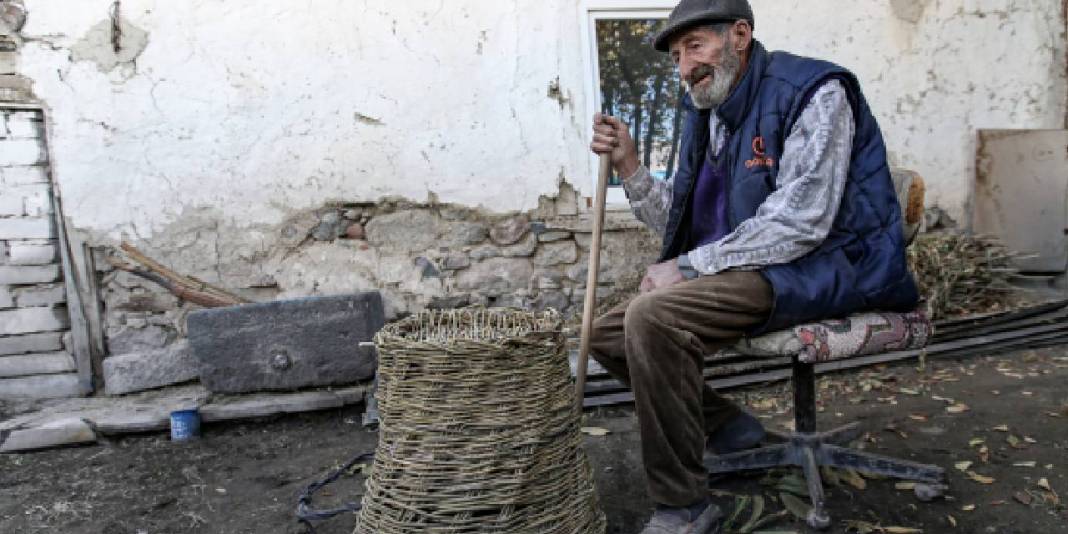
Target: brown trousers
[656,344]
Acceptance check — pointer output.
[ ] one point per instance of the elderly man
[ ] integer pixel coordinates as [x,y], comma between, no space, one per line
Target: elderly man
[782,211]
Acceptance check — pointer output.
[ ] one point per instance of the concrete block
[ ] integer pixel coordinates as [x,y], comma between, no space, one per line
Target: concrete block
[27,228]
[23,175]
[25,125]
[9,64]
[41,387]
[46,342]
[37,205]
[40,295]
[22,253]
[7,297]
[28,274]
[53,434]
[21,152]
[127,373]
[286,344]
[36,364]
[32,320]
[11,205]
[267,405]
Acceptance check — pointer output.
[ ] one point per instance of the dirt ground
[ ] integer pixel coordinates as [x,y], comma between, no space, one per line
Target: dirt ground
[1006,414]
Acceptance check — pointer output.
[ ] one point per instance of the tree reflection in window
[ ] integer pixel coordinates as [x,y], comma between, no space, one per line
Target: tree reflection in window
[640,86]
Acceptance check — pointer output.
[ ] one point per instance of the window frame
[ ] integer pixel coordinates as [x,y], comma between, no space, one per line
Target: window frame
[590,11]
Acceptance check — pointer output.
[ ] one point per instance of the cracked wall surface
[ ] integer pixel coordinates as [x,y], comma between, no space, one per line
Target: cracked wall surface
[260,109]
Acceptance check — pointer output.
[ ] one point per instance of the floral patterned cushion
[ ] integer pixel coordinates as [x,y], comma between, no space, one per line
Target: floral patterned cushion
[836,339]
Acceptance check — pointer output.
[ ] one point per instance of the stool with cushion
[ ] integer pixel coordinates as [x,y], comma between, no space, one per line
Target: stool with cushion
[829,341]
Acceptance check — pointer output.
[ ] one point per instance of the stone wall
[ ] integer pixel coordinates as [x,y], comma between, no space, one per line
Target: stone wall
[33,313]
[418,255]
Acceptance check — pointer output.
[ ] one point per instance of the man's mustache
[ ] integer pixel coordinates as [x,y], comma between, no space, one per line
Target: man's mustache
[700,72]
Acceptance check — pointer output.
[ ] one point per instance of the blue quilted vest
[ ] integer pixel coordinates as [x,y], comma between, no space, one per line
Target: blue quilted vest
[861,265]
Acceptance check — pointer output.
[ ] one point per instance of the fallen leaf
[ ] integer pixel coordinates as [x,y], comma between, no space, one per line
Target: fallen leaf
[795,505]
[1024,498]
[968,507]
[980,478]
[595,431]
[1001,428]
[1014,441]
[952,520]
[905,486]
[917,417]
[908,391]
[1044,484]
[957,408]
[976,441]
[984,454]
[962,466]
[1029,439]
[1025,464]
[997,503]
[946,400]
[854,479]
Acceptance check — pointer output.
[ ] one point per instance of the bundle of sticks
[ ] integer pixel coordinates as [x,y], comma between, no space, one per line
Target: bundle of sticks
[182,286]
[961,274]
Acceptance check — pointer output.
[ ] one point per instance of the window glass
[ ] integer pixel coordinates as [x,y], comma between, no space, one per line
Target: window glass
[640,86]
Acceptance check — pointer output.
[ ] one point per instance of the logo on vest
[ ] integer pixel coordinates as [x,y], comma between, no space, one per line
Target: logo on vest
[760,158]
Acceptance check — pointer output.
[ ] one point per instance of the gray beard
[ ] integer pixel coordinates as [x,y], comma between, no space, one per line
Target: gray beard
[715,93]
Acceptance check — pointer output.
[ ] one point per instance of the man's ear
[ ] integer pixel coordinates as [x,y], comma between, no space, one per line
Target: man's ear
[741,35]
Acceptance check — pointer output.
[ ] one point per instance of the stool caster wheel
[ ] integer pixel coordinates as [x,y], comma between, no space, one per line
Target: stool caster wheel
[928,492]
[818,520]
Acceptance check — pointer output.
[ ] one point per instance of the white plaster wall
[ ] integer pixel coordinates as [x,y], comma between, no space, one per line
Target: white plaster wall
[255,109]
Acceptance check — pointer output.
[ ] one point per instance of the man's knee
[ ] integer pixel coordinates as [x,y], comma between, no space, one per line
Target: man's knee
[644,314]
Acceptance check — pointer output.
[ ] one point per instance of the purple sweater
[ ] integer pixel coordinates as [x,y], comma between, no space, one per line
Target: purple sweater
[709,222]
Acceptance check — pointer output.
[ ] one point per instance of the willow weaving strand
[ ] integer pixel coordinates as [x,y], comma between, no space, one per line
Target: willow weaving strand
[479,431]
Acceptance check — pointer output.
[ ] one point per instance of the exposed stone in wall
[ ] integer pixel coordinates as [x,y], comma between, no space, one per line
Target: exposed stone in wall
[418,255]
[97,46]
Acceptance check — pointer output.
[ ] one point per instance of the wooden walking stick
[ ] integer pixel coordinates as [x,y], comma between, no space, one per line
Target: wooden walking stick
[591,275]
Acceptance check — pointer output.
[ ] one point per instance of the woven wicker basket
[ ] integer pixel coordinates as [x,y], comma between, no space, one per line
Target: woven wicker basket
[479,431]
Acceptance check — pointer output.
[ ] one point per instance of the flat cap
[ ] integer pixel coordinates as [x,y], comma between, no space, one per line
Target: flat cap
[690,13]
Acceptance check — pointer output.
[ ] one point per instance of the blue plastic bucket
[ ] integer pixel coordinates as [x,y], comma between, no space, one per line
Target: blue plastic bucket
[185,425]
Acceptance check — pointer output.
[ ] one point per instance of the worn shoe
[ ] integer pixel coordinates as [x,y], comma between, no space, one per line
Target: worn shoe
[739,433]
[684,521]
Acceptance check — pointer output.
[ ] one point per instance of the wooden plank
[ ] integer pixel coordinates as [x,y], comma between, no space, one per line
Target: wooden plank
[36,364]
[76,288]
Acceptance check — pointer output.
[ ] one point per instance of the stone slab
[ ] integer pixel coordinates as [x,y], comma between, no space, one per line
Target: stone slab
[264,405]
[285,345]
[28,274]
[21,152]
[24,175]
[53,434]
[11,205]
[46,342]
[36,364]
[32,320]
[140,371]
[40,387]
[132,421]
[24,124]
[7,297]
[26,228]
[23,253]
[40,295]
